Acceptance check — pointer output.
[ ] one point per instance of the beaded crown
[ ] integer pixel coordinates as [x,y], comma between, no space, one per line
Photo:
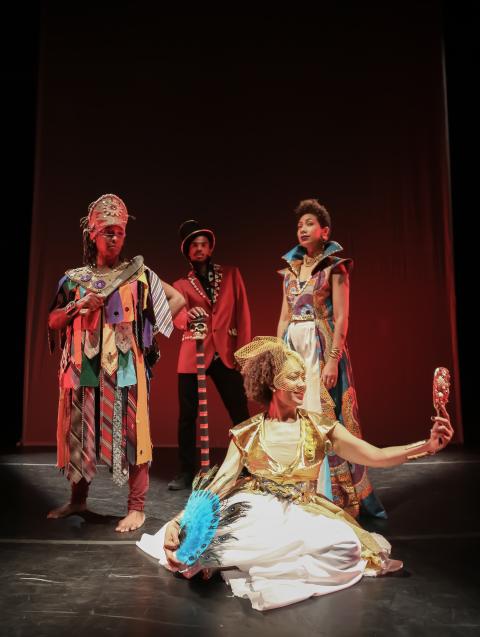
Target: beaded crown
[107,210]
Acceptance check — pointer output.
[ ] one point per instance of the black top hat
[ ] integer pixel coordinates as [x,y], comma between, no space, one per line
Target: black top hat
[191,229]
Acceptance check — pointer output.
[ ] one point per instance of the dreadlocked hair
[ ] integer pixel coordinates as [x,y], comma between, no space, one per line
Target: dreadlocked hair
[89,250]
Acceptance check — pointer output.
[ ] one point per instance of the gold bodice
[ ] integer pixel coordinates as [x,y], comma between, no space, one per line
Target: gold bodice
[313,444]
[296,482]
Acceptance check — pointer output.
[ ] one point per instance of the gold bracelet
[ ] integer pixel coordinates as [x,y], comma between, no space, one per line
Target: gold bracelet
[71,308]
[415,445]
[336,353]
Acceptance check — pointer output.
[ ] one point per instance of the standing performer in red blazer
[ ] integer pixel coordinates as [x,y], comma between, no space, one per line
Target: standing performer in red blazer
[217,293]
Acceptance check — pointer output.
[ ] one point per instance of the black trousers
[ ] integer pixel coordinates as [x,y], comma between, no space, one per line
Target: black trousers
[229,385]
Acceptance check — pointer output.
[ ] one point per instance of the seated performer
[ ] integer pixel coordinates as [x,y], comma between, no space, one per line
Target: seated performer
[110,313]
[282,542]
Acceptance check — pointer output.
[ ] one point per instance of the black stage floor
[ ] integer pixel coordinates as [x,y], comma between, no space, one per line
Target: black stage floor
[79,577]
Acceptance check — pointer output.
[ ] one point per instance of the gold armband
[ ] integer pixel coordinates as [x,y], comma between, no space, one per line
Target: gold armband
[415,445]
[71,308]
[336,353]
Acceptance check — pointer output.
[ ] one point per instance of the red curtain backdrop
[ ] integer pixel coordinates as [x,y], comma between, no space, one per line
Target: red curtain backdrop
[233,127]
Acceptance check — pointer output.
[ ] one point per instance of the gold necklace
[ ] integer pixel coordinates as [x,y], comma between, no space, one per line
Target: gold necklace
[309,261]
[105,269]
[96,278]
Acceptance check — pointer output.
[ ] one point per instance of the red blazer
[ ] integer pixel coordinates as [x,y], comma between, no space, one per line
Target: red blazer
[228,321]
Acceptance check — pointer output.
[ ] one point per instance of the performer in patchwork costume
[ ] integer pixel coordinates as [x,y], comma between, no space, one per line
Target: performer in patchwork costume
[109,313]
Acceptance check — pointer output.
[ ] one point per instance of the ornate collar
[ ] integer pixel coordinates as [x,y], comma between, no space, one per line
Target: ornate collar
[294,257]
[96,280]
[217,280]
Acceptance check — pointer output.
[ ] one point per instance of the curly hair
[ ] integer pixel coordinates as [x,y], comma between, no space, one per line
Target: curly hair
[314,207]
[258,374]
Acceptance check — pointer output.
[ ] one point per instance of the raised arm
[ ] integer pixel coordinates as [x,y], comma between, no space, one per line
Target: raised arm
[361,452]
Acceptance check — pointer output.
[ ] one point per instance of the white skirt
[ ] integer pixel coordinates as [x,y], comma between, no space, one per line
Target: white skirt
[281,554]
[302,338]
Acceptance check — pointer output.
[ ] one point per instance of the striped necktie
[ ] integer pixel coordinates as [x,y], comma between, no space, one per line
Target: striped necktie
[161,308]
[74,469]
[107,400]
[88,430]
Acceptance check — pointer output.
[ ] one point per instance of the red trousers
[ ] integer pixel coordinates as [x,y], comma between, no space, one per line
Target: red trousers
[137,482]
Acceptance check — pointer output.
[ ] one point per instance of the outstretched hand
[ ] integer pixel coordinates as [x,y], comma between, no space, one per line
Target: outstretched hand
[442,431]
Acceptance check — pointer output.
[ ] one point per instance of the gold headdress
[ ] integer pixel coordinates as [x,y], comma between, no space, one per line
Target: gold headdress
[107,210]
[285,361]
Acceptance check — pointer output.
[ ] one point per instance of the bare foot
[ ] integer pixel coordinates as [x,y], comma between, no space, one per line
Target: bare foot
[132,521]
[393,566]
[66,510]
[208,573]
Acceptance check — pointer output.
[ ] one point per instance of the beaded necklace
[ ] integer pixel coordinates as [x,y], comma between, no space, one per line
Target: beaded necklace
[298,290]
[217,279]
[308,262]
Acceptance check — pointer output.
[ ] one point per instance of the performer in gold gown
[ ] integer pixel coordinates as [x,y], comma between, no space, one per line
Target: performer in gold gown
[289,543]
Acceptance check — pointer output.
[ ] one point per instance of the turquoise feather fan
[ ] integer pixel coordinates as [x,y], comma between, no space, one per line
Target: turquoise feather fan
[203,515]
[199,522]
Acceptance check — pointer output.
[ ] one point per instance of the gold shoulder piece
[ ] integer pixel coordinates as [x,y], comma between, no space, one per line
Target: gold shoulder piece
[244,433]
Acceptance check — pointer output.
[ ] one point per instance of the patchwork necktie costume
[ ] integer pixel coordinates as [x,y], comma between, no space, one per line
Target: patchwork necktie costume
[107,356]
